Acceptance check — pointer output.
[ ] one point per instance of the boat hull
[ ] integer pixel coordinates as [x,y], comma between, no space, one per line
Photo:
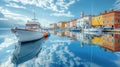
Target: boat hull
[26,35]
[75,30]
[93,30]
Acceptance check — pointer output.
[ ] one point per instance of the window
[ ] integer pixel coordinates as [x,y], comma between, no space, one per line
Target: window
[119,46]
[107,39]
[112,21]
[112,35]
[112,46]
[118,20]
[118,35]
[113,15]
[106,16]
[112,40]
[105,21]
[118,15]
[118,41]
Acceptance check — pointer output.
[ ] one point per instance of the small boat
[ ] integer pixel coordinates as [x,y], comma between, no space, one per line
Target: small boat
[46,34]
[75,29]
[108,28]
[93,30]
[32,31]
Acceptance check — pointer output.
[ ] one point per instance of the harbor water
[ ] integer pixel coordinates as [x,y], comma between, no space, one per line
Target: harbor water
[61,49]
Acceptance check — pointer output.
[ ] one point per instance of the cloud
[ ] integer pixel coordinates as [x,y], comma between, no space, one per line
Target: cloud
[57,6]
[2,17]
[68,14]
[57,53]
[7,63]
[16,18]
[15,5]
[7,42]
[117,5]
[44,22]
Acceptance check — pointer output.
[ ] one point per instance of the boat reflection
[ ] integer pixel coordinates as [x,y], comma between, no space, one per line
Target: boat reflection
[26,51]
[108,41]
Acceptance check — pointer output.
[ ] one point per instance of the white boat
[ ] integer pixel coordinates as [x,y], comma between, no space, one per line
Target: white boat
[32,31]
[93,30]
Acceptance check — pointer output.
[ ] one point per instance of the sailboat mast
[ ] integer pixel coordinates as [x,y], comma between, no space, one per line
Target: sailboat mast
[91,12]
[34,13]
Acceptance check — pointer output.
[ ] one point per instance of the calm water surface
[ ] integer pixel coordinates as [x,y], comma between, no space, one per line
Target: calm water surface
[61,49]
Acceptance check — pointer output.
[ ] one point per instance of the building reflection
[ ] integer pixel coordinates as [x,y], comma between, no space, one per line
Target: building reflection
[84,39]
[108,41]
[111,42]
[67,33]
[97,40]
[73,35]
[61,33]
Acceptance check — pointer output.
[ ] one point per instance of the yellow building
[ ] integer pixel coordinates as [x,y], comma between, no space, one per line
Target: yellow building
[97,21]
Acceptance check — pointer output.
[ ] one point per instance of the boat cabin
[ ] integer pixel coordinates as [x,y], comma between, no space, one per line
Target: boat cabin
[32,25]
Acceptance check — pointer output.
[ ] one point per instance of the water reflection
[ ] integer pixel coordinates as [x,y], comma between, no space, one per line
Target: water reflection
[64,49]
[108,41]
[111,42]
[26,51]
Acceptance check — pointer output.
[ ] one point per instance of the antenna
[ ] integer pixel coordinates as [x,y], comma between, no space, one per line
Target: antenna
[34,13]
[91,8]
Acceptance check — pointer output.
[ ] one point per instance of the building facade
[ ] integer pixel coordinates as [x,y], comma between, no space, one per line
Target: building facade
[53,26]
[84,22]
[67,25]
[97,21]
[61,24]
[111,19]
[73,23]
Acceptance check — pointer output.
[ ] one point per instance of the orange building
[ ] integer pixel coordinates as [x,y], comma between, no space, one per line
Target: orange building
[53,25]
[111,19]
[67,25]
[111,42]
[61,24]
[67,33]
[73,23]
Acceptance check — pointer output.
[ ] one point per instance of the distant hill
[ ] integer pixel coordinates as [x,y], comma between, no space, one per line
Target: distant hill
[8,24]
[5,24]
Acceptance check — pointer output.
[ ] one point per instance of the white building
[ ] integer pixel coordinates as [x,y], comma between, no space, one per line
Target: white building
[84,21]
[59,24]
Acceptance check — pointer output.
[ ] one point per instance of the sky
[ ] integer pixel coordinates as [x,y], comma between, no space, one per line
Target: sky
[17,12]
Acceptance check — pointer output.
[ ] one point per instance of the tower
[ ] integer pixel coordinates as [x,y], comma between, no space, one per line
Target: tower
[82,14]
